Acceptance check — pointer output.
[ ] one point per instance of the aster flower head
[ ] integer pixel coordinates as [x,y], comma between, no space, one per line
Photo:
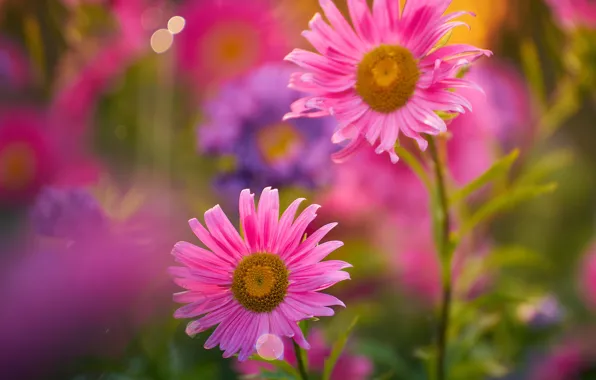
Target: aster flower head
[261,284]
[27,158]
[223,39]
[243,122]
[386,76]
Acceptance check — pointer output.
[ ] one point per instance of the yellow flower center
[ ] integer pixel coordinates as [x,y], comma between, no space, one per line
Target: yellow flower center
[277,142]
[17,166]
[260,282]
[387,77]
[229,48]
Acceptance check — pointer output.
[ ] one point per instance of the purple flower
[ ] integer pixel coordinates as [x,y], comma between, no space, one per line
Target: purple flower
[244,123]
[67,213]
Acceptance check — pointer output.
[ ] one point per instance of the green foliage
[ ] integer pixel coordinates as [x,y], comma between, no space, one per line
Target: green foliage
[498,171]
[337,350]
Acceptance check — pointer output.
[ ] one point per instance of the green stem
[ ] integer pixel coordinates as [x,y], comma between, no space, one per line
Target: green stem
[301,366]
[442,222]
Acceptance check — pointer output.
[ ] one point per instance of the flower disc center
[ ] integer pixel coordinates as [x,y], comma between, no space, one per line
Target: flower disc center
[386,78]
[17,166]
[260,282]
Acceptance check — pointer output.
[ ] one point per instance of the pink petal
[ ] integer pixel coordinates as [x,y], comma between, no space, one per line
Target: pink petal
[363,22]
[248,220]
[224,233]
[349,150]
[284,228]
[307,246]
[268,215]
[210,243]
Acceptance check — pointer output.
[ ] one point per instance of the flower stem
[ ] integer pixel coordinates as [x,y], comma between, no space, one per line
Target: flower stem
[301,366]
[444,249]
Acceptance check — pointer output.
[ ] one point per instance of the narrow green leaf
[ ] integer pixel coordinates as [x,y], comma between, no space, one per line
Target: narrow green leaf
[279,364]
[498,170]
[546,166]
[504,202]
[533,69]
[337,350]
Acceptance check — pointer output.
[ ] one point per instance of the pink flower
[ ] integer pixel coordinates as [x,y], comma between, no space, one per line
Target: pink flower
[225,38]
[588,279]
[348,367]
[389,189]
[572,359]
[385,78]
[262,284]
[501,121]
[574,13]
[27,157]
[75,102]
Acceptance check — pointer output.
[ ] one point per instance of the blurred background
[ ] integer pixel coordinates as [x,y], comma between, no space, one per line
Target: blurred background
[122,119]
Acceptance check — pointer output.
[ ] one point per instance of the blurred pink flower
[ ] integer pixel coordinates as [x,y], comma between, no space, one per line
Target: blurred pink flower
[572,359]
[501,120]
[588,278]
[349,367]
[27,156]
[574,13]
[225,38]
[74,103]
[369,184]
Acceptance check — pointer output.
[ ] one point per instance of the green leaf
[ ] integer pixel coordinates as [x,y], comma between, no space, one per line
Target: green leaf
[504,202]
[546,166]
[498,170]
[279,364]
[337,350]
[385,376]
[533,69]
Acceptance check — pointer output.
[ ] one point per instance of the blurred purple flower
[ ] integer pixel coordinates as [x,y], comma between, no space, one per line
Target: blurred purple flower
[574,13]
[15,70]
[223,39]
[542,312]
[349,367]
[66,298]
[67,213]
[244,122]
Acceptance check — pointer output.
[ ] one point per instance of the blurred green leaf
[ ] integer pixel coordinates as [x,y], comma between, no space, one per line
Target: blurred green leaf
[279,364]
[412,161]
[499,169]
[545,166]
[533,69]
[504,202]
[337,350]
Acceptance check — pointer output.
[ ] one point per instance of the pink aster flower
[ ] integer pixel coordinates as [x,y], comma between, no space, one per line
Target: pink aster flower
[574,13]
[262,284]
[385,77]
[27,156]
[588,278]
[223,39]
[349,367]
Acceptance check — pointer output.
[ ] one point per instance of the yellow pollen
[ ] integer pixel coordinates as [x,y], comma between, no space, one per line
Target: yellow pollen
[387,77]
[260,282]
[17,166]
[279,141]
